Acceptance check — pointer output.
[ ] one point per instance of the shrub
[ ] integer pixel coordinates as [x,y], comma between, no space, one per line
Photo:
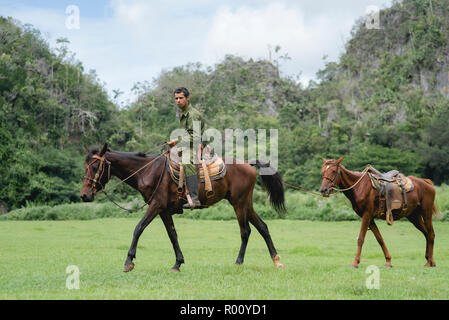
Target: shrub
[300,206]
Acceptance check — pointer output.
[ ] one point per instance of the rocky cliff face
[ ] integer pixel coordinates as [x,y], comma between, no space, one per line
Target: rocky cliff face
[256,82]
[440,79]
[412,39]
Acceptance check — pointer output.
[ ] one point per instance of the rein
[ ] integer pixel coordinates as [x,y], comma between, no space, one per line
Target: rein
[152,195]
[101,170]
[121,181]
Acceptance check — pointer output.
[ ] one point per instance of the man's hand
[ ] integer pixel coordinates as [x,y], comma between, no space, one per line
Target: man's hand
[171,143]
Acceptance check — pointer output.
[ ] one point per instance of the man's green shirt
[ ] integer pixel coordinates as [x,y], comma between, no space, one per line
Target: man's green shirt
[186,122]
[195,132]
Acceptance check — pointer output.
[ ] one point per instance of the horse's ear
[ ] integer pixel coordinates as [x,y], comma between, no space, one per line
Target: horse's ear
[341,159]
[324,160]
[103,151]
[87,149]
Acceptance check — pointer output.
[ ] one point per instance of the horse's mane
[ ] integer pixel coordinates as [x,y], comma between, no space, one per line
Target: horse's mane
[140,154]
[131,154]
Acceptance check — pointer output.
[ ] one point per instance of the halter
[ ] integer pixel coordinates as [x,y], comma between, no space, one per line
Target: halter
[334,187]
[336,176]
[99,173]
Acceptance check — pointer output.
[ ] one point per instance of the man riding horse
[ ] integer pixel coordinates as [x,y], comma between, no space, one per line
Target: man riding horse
[149,175]
[189,145]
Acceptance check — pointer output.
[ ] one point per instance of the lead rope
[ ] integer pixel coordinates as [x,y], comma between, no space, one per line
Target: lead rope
[298,188]
[334,188]
[363,174]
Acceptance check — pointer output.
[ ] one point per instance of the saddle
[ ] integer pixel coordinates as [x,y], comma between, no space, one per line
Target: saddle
[393,187]
[211,168]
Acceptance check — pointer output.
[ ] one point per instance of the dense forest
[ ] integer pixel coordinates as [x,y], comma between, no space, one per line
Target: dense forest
[385,102]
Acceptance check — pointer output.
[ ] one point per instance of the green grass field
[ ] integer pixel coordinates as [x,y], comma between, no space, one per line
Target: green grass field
[35,255]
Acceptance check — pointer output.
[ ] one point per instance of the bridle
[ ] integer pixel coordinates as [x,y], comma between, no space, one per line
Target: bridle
[99,174]
[334,180]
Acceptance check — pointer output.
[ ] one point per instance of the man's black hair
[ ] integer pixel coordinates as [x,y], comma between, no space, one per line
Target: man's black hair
[183,90]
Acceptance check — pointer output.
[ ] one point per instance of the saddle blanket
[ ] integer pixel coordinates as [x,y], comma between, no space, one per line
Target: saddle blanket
[398,179]
[216,168]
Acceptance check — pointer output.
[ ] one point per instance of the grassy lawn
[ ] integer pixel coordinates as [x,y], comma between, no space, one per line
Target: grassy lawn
[34,256]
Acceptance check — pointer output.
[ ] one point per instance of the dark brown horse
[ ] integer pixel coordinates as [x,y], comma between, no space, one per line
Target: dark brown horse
[159,191]
[365,200]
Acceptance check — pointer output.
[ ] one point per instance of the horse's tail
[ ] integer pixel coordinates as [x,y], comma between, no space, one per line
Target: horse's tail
[272,183]
[435,210]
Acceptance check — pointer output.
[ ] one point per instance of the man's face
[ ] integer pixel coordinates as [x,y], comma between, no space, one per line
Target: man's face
[181,101]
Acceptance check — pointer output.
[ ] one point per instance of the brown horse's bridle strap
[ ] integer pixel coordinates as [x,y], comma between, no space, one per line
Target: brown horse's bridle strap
[334,180]
[99,173]
[357,182]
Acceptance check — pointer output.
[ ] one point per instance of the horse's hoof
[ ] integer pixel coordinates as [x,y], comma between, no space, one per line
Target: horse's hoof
[354,266]
[388,266]
[175,270]
[277,264]
[128,267]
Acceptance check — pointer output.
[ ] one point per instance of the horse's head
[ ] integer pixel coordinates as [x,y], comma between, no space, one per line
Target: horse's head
[97,173]
[330,176]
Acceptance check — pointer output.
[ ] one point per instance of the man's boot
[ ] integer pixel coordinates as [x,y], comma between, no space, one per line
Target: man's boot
[192,185]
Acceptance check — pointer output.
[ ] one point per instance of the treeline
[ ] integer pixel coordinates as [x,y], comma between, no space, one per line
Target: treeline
[384,103]
[49,106]
[300,206]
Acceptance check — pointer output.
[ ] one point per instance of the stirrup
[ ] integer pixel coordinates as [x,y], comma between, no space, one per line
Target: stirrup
[192,206]
[190,203]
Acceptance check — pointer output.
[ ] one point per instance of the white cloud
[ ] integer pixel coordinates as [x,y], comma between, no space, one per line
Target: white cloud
[249,32]
[133,40]
[132,12]
[137,17]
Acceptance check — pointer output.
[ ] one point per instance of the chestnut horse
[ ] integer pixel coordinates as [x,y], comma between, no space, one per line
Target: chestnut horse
[364,198]
[148,174]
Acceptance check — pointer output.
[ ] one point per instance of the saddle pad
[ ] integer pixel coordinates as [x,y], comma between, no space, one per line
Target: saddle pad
[407,184]
[400,179]
[404,181]
[216,170]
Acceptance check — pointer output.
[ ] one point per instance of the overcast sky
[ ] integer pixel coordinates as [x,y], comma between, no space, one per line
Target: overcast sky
[127,41]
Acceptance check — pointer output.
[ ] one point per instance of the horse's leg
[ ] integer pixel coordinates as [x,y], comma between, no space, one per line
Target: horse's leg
[170,227]
[245,231]
[418,222]
[429,234]
[430,239]
[381,242]
[143,223]
[265,233]
[365,223]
